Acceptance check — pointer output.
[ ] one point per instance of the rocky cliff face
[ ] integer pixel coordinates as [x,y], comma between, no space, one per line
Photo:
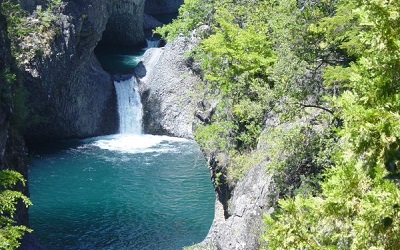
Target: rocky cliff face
[125,24]
[69,94]
[169,89]
[13,153]
[157,8]
[253,196]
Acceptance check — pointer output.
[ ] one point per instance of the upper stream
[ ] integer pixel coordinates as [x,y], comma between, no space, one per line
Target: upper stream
[124,191]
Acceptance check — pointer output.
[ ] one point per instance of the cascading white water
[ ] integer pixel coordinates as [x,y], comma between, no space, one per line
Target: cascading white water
[129,106]
[152,43]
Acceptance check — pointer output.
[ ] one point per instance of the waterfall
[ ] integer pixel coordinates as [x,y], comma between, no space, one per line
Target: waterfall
[152,43]
[129,106]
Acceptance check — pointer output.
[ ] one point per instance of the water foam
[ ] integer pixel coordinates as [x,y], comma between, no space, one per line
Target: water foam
[135,144]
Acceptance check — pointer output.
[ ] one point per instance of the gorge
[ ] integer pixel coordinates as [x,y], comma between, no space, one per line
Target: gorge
[294,105]
[149,192]
[69,95]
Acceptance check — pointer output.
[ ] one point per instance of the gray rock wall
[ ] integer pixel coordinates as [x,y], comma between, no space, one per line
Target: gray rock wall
[253,196]
[13,153]
[69,94]
[125,24]
[169,90]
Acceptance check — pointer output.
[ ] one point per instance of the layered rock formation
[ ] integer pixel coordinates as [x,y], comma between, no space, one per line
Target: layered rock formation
[125,24]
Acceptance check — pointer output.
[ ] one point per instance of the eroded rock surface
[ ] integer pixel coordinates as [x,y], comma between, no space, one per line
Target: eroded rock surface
[13,154]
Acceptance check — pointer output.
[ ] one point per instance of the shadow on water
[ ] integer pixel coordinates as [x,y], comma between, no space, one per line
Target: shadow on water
[49,148]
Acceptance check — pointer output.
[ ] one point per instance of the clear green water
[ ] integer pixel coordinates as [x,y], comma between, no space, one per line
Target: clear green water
[120,192]
[119,60]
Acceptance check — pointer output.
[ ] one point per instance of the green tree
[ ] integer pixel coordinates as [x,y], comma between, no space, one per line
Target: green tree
[192,13]
[10,232]
[359,204]
[340,57]
[236,59]
[30,38]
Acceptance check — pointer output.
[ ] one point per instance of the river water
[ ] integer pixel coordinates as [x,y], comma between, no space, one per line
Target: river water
[123,191]
[120,192]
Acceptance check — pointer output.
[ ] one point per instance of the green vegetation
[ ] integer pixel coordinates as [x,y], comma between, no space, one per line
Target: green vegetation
[10,232]
[359,204]
[258,67]
[7,78]
[12,101]
[30,33]
[13,95]
[312,86]
[191,14]
[11,181]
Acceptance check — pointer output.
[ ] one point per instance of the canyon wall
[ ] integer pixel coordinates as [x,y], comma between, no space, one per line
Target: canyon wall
[125,23]
[69,94]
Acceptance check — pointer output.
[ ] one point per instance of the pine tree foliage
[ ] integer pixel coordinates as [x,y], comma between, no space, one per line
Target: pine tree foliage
[359,204]
[10,232]
[236,62]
